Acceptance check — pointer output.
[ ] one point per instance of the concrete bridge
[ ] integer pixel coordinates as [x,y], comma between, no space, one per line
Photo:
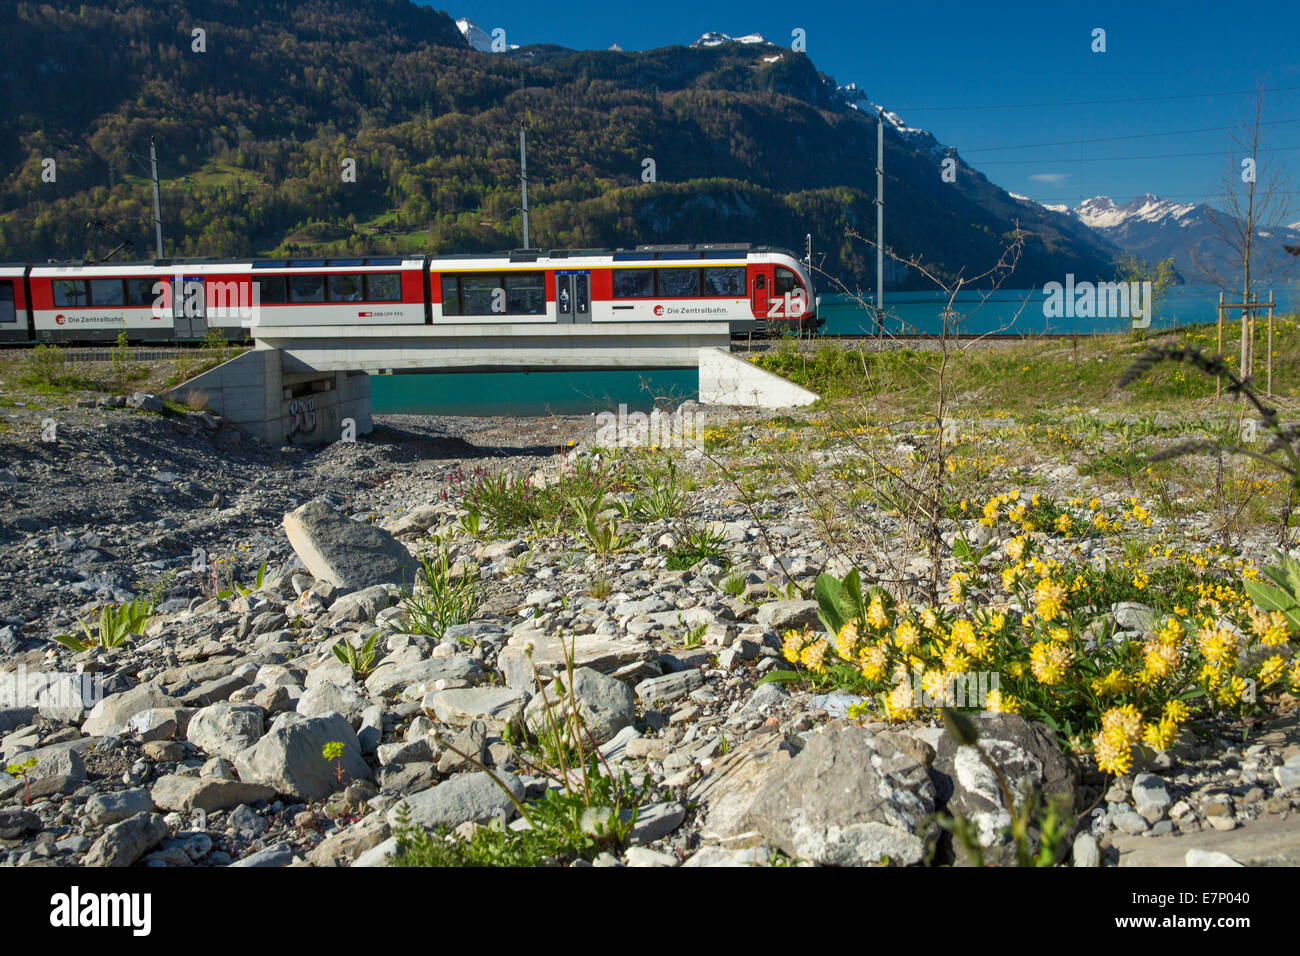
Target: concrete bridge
[311,385]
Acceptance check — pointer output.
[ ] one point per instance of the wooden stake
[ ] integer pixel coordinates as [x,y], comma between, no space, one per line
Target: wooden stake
[1218,385]
[1269,386]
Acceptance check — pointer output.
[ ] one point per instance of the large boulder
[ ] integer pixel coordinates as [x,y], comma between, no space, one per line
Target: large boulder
[346,553]
[1026,754]
[469,797]
[175,792]
[110,715]
[850,798]
[729,788]
[290,757]
[124,843]
[225,729]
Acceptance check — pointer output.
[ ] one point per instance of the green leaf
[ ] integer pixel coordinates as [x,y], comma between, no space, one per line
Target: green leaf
[72,643]
[1268,597]
[780,677]
[826,590]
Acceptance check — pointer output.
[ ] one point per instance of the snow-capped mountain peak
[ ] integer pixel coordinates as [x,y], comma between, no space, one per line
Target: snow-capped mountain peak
[478,38]
[1101,212]
[858,100]
[714,38]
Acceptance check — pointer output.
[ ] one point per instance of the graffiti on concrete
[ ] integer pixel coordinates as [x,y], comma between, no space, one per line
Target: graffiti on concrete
[302,416]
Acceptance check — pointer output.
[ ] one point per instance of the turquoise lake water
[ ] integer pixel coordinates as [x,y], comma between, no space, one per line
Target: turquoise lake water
[576,393]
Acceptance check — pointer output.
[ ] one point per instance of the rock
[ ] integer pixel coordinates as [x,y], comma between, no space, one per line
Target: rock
[60,767]
[362,605]
[378,855]
[600,653]
[184,794]
[223,730]
[160,723]
[346,553]
[728,789]
[1204,858]
[1131,616]
[151,403]
[780,616]
[848,799]
[163,751]
[718,856]
[668,686]
[1288,776]
[405,751]
[213,691]
[11,718]
[472,742]
[471,797]
[654,822]
[105,808]
[110,716]
[605,704]
[341,848]
[124,843]
[247,821]
[498,707]
[1271,841]
[389,679]
[1150,797]
[280,854]
[1086,852]
[642,856]
[15,823]
[289,757]
[1128,821]
[1027,756]
[325,699]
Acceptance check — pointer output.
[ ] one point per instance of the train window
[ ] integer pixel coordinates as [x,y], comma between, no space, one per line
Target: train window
[69,292]
[7,313]
[106,292]
[140,291]
[345,288]
[760,282]
[525,293]
[786,281]
[384,287]
[450,295]
[476,293]
[310,288]
[724,280]
[634,283]
[679,282]
[272,289]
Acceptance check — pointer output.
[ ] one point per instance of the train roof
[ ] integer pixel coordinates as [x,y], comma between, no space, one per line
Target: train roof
[641,253]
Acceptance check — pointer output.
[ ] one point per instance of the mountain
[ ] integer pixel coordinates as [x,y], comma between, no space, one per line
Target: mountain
[1155,229]
[474,35]
[257,134]
[713,38]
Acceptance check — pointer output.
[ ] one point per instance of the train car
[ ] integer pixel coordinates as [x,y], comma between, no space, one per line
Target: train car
[15,319]
[754,290]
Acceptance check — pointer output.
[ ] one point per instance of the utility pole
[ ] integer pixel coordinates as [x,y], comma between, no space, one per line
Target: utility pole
[880,220]
[523,179]
[157,213]
[807,240]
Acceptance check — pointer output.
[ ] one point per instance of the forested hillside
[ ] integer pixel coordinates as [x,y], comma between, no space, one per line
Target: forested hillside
[254,130]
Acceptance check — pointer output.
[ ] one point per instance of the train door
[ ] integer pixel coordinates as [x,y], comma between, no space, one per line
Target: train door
[760,292]
[189,308]
[572,297]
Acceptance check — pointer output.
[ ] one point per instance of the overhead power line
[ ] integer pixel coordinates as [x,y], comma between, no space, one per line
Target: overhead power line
[1054,105]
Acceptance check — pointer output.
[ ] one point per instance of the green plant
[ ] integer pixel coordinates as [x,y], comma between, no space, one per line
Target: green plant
[601,587]
[693,637]
[438,598]
[334,751]
[602,535]
[362,661]
[662,495]
[696,545]
[1283,593]
[116,624]
[46,367]
[21,770]
[470,524]
[734,585]
[242,589]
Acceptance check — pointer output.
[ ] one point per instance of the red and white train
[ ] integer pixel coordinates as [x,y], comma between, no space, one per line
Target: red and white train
[756,290]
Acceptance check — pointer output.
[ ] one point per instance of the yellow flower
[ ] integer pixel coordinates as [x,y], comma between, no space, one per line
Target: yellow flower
[1272,669]
[1000,703]
[813,656]
[1049,599]
[1016,548]
[1159,658]
[906,636]
[1011,576]
[876,615]
[1230,691]
[874,659]
[1049,661]
[1059,634]
[1160,735]
[957,587]
[847,641]
[900,704]
[1113,683]
[1176,710]
[792,645]
[1140,580]
[929,620]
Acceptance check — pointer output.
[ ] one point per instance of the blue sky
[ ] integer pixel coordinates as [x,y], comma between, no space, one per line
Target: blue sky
[998,81]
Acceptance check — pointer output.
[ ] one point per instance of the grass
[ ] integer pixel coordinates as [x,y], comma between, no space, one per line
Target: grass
[438,598]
